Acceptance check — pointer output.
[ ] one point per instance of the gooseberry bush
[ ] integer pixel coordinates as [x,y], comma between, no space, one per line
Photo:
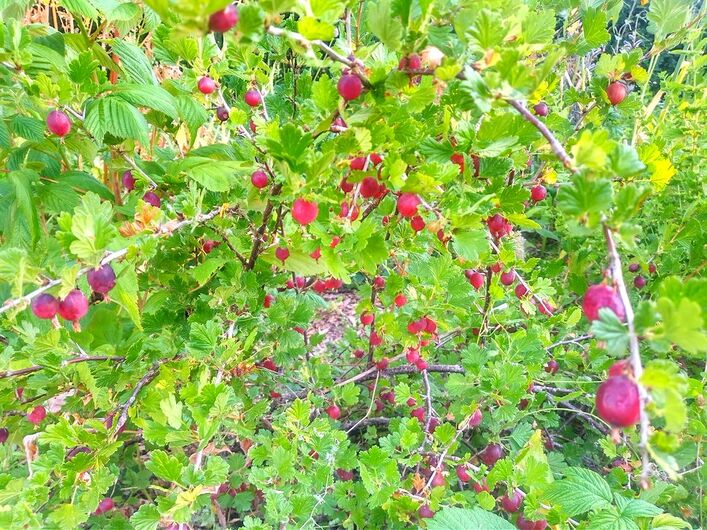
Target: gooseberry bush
[500,203]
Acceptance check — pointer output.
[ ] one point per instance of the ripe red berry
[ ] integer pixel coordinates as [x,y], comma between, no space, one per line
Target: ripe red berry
[334,241]
[417,223]
[616,92]
[541,109]
[259,179]
[104,506]
[346,186]
[128,180]
[634,267]
[538,193]
[508,277]
[438,480]
[74,306]
[349,86]
[430,325]
[416,326]
[552,366]
[366,318]
[521,290]
[400,300]
[224,20]
[376,340]
[333,411]
[282,254]
[102,279]
[620,368]
[511,502]
[37,415]
[458,159]
[407,204]
[491,454]
[206,85]
[600,296]
[152,198]
[58,123]
[545,307]
[410,402]
[496,267]
[652,268]
[379,282]
[498,226]
[421,364]
[268,300]
[375,158]
[303,211]
[316,254]
[480,486]
[476,279]
[526,524]
[358,163]
[253,98]
[475,419]
[4,434]
[418,413]
[383,363]
[369,188]
[425,512]
[359,354]
[639,282]
[618,402]
[462,474]
[344,474]
[45,306]
[222,113]
[412,355]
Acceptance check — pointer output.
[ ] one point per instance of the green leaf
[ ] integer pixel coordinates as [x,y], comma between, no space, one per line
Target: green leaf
[26,127]
[314,29]
[667,16]
[471,245]
[24,203]
[172,409]
[682,324]
[134,62]
[610,520]
[384,25]
[594,25]
[91,226]
[116,116]
[82,8]
[461,519]
[611,330]
[164,466]
[151,96]
[584,197]
[214,175]
[146,518]
[581,491]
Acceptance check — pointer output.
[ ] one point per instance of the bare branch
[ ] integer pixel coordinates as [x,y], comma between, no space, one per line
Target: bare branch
[78,359]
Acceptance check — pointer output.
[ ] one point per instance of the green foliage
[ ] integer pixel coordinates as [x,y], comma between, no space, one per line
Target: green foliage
[196,390]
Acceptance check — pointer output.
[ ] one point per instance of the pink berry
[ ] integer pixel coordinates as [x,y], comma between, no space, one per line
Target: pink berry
[476,279]
[418,413]
[412,355]
[4,435]
[282,253]
[37,415]
[508,277]
[498,226]
[303,211]
[639,282]
[541,109]
[45,306]
[128,180]
[253,98]
[102,279]
[462,474]
[552,366]
[602,296]
[425,512]
[104,506]
[152,199]
[222,113]
[382,364]
[538,193]
[417,223]
[511,502]
[58,123]
[421,364]
[259,179]
[74,306]
[224,20]
[491,454]
[521,290]
[616,92]
[400,300]
[316,254]
[268,300]
[206,85]
[333,411]
[367,318]
[618,401]
[475,419]
[349,86]
[407,204]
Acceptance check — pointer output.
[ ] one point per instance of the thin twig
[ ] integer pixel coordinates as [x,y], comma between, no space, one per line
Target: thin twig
[370,406]
[636,364]
[78,359]
[144,381]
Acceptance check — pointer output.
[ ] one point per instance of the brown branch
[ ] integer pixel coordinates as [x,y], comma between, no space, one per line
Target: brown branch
[255,252]
[555,145]
[634,349]
[144,381]
[363,423]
